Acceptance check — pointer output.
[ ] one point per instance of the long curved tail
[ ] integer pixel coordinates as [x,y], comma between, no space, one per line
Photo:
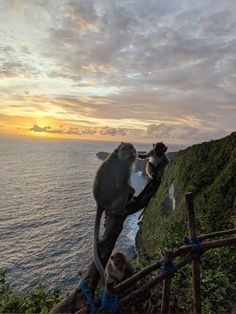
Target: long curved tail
[96,257]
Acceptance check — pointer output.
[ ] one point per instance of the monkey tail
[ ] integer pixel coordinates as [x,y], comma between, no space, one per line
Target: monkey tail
[96,257]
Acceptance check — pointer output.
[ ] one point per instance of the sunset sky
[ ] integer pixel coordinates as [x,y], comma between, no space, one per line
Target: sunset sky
[143,71]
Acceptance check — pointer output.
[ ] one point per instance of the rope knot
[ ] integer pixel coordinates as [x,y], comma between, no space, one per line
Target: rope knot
[166,266]
[88,296]
[110,302]
[196,243]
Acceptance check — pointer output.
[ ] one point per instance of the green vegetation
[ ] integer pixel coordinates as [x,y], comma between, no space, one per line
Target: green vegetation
[39,300]
[209,171]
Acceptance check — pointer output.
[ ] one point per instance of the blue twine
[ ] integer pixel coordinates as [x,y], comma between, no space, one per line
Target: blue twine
[198,246]
[111,303]
[88,296]
[166,266]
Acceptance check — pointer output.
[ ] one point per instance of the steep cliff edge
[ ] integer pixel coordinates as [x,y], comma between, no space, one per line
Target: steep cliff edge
[209,171]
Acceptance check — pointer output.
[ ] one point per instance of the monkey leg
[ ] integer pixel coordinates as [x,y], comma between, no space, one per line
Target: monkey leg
[118,204]
[151,170]
[111,222]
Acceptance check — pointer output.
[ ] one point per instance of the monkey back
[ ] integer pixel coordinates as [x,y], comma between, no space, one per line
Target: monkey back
[110,180]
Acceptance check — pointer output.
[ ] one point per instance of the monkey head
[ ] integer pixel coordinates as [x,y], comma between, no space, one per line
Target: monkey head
[126,152]
[118,260]
[159,149]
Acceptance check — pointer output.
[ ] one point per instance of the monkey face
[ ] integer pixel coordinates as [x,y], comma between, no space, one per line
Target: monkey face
[159,149]
[118,259]
[126,152]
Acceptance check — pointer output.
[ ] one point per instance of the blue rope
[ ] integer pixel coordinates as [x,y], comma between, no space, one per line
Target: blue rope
[88,296]
[198,246]
[165,266]
[111,303]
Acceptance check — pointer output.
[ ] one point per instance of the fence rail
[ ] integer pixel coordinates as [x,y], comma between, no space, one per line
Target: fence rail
[191,252]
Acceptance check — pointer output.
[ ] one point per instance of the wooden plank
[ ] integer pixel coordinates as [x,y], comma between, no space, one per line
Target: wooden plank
[217,234]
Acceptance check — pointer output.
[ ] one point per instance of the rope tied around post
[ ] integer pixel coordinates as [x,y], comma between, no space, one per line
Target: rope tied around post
[109,302]
[88,296]
[196,243]
[166,266]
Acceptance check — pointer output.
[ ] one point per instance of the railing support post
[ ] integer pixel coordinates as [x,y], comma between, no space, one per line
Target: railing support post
[166,285]
[195,262]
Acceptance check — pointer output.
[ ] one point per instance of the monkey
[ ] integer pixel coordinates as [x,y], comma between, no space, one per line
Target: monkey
[157,161]
[111,190]
[118,268]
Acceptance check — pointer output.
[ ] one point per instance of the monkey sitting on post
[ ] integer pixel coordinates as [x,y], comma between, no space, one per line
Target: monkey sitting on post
[118,268]
[112,191]
[157,161]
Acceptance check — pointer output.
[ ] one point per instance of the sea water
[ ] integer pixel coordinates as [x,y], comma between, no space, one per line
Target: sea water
[47,210]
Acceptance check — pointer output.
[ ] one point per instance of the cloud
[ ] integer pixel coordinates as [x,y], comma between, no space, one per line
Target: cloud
[103,131]
[167,65]
[48,129]
[112,131]
[37,128]
[170,132]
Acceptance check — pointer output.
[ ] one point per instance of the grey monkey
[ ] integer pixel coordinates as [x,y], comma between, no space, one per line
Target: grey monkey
[157,161]
[111,190]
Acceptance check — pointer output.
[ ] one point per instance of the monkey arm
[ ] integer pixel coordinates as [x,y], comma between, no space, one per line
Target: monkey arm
[145,156]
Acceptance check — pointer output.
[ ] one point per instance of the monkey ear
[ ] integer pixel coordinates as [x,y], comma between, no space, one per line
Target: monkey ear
[116,151]
[166,148]
[153,145]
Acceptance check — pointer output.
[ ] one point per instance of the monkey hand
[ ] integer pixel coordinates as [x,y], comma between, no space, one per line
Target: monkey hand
[141,156]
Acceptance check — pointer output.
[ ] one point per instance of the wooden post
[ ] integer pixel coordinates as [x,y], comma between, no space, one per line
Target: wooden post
[166,285]
[195,262]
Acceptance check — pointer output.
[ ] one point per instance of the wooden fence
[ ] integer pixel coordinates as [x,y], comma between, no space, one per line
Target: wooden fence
[190,252]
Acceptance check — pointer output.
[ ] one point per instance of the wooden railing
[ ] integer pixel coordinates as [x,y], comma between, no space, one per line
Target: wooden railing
[190,252]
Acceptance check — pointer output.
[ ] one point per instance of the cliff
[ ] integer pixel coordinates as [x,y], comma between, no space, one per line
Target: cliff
[209,171]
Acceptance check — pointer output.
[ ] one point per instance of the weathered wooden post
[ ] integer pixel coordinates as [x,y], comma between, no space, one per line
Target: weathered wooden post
[195,262]
[166,284]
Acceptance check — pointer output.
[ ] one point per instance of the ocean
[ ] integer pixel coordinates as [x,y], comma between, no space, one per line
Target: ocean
[47,210]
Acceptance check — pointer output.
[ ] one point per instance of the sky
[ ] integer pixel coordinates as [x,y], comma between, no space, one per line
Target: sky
[127,70]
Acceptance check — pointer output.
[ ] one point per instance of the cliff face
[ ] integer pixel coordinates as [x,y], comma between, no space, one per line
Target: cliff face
[209,171]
